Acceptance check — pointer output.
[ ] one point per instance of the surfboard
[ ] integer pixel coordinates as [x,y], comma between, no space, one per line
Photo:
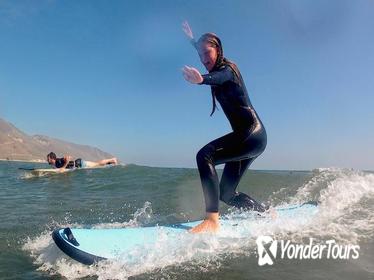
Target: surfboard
[91,245]
[46,171]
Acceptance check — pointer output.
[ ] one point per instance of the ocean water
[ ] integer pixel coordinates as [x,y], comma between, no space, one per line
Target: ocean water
[127,196]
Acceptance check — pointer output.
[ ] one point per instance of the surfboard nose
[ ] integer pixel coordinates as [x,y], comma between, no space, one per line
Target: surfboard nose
[67,243]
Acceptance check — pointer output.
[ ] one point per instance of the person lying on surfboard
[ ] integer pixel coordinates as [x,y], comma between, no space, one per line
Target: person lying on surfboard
[238,149]
[67,162]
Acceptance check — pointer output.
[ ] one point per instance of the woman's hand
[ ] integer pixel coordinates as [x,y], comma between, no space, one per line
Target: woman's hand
[192,75]
[187,30]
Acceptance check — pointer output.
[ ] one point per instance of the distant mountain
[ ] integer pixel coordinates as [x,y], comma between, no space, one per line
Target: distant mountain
[17,145]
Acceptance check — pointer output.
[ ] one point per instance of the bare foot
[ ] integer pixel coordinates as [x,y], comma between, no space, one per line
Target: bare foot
[112,161]
[210,224]
[273,213]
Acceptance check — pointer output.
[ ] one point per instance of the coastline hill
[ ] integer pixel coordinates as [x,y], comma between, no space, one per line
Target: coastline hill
[17,145]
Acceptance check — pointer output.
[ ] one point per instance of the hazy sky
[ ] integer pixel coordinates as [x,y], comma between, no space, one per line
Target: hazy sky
[107,73]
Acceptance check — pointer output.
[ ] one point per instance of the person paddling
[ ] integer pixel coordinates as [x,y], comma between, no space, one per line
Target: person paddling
[69,163]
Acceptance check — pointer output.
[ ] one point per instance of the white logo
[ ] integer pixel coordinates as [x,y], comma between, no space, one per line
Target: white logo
[267,250]
[266,253]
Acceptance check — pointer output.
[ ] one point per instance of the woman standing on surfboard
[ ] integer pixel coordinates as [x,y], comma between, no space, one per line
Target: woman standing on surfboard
[237,149]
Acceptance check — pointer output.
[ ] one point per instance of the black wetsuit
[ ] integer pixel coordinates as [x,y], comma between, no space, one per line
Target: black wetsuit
[237,149]
[60,162]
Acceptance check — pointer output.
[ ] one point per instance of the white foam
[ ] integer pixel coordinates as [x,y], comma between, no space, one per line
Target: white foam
[141,217]
[346,202]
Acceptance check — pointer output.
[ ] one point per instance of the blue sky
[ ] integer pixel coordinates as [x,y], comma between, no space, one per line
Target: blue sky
[107,73]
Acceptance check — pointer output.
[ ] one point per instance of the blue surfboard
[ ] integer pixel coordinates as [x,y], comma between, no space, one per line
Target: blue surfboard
[90,245]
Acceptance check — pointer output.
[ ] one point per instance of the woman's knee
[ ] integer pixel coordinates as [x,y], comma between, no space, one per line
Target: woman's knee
[205,155]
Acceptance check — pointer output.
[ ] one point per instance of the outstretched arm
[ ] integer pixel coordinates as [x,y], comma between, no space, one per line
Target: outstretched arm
[193,76]
[218,77]
[188,31]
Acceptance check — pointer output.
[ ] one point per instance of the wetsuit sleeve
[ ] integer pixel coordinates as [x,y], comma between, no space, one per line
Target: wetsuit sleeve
[193,43]
[218,77]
